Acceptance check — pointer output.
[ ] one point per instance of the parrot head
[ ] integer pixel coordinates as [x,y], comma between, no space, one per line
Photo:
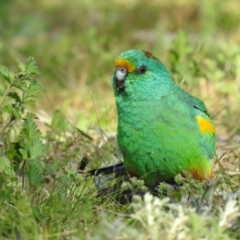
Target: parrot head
[139,74]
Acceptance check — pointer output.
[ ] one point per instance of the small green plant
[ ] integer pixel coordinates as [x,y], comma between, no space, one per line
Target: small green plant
[37,181]
[21,140]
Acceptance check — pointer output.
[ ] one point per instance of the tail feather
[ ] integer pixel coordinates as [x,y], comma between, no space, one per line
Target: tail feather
[108,170]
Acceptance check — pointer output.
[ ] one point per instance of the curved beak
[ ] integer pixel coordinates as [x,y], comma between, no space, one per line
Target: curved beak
[120,76]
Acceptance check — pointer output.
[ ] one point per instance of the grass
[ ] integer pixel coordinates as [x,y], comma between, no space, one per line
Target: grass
[49,122]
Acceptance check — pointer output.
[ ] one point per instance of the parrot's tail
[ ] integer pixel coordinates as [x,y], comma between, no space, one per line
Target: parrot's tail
[118,168]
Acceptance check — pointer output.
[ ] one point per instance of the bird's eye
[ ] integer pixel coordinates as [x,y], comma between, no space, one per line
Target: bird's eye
[142,69]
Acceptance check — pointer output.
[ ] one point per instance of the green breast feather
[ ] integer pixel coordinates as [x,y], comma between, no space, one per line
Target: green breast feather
[162,130]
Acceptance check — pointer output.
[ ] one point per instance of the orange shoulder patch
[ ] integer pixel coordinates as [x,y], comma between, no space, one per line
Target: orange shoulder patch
[120,62]
[205,125]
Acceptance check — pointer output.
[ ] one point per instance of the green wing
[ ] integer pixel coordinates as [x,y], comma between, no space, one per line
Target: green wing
[208,139]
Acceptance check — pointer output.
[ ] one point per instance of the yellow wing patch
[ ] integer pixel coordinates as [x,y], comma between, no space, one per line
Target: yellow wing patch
[205,125]
[120,62]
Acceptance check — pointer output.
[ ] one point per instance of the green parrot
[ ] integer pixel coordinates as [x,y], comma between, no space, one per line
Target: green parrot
[162,130]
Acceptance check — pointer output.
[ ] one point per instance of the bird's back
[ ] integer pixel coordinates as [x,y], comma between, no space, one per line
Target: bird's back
[160,139]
